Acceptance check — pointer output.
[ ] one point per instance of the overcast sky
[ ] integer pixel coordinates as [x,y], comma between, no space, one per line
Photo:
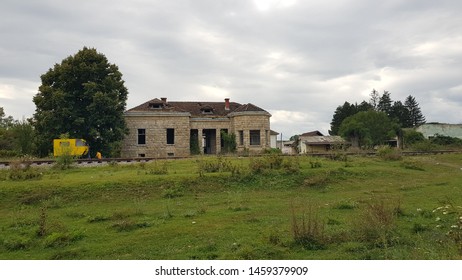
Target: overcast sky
[299,60]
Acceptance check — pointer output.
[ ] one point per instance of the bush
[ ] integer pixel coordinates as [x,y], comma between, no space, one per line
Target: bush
[388,153]
[412,137]
[21,170]
[64,161]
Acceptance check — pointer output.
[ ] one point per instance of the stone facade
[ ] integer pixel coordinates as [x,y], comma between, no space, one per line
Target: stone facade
[159,128]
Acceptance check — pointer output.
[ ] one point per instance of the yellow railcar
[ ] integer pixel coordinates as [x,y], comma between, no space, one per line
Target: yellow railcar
[72,147]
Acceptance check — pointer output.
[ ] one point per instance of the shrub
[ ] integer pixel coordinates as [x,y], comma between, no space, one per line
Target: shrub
[64,161]
[388,153]
[21,170]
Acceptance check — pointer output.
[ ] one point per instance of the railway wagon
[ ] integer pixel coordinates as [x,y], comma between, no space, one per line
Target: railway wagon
[73,147]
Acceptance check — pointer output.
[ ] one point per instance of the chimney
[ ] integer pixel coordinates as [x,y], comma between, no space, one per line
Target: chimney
[164,99]
[227,104]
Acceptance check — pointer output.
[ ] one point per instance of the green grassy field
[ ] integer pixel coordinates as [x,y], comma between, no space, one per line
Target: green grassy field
[236,208]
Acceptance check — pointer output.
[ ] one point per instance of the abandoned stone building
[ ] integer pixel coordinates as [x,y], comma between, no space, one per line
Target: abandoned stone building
[161,128]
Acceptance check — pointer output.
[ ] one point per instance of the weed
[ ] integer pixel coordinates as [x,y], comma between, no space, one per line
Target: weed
[158,169]
[64,161]
[315,164]
[129,225]
[21,171]
[98,219]
[17,243]
[173,191]
[388,153]
[418,228]
[42,222]
[62,239]
[376,223]
[412,165]
[346,205]
[308,230]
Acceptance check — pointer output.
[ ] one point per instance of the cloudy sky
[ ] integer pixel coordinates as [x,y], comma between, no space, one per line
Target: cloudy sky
[297,59]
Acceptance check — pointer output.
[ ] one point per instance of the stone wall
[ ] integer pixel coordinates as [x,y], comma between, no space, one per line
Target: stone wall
[156,125]
[156,135]
[246,123]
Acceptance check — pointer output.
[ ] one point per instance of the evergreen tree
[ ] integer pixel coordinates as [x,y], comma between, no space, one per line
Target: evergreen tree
[400,114]
[341,113]
[416,118]
[385,103]
[84,96]
[375,98]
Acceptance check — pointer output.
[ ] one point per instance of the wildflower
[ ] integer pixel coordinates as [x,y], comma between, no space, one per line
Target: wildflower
[437,219]
[419,210]
[438,226]
[445,212]
[454,226]
[193,222]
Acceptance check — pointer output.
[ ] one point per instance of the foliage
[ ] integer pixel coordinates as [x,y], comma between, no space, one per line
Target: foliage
[388,153]
[410,137]
[84,96]
[407,115]
[445,140]
[368,129]
[194,146]
[5,122]
[65,159]
[229,142]
[21,170]
[16,137]
[385,104]
[415,116]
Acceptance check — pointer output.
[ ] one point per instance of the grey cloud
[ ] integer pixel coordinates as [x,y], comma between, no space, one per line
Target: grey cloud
[306,58]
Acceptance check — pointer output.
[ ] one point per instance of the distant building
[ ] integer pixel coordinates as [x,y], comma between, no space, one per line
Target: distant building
[273,139]
[316,142]
[431,129]
[160,128]
[287,147]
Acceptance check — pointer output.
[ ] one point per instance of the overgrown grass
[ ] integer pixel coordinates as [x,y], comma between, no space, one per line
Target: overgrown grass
[270,207]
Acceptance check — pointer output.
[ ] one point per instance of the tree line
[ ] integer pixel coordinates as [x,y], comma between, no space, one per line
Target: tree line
[373,123]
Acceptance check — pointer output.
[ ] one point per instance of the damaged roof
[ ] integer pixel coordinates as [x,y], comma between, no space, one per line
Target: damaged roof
[196,108]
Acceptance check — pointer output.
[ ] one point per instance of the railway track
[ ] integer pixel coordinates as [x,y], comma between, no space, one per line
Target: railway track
[96,162]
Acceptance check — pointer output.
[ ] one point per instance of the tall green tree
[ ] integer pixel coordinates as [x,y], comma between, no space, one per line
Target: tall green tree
[375,98]
[415,118]
[83,96]
[400,114]
[385,103]
[345,111]
[5,121]
[340,114]
[368,129]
